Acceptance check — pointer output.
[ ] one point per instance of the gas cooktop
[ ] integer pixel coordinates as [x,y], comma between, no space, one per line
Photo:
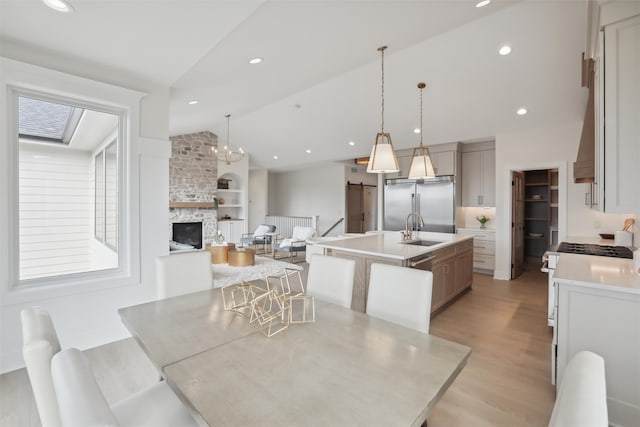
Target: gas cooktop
[599,250]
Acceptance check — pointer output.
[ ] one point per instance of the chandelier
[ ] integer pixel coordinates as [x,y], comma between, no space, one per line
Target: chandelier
[382,158]
[421,166]
[228,154]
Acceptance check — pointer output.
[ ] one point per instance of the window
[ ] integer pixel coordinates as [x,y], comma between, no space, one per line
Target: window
[68,187]
[106,196]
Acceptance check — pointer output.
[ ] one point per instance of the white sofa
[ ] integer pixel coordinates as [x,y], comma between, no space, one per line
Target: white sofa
[581,399]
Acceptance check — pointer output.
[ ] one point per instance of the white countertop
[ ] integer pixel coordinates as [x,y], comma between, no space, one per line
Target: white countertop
[490,230]
[597,272]
[388,244]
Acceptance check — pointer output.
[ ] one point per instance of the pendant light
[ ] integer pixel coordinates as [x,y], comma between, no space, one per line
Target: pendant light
[228,154]
[383,158]
[421,166]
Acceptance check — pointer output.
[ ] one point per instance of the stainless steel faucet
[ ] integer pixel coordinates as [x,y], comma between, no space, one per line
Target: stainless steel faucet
[406,234]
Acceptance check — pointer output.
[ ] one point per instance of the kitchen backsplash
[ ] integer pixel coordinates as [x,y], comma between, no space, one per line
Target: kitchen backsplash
[470,214]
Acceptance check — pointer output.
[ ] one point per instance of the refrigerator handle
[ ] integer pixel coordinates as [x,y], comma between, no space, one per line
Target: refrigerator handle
[416,208]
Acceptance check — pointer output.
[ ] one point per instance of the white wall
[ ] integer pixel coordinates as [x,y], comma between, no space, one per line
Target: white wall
[314,191]
[541,149]
[85,314]
[258,192]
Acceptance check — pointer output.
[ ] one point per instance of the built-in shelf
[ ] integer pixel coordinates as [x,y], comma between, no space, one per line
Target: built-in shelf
[535,200]
[219,190]
[203,205]
[229,205]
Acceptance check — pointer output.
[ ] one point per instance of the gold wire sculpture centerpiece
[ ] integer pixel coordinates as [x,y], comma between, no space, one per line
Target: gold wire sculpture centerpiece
[273,309]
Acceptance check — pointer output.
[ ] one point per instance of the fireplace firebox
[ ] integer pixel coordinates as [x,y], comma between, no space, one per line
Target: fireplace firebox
[188,233]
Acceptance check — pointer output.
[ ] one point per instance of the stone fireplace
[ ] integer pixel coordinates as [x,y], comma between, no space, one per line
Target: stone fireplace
[193,181]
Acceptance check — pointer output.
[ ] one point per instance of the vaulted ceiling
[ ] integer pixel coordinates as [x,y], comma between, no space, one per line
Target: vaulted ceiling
[319,84]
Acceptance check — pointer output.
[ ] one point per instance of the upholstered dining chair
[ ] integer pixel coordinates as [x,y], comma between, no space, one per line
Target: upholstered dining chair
[259,238]
[330,279]
[82,403]
[400,295]
[294,244]
[180,274]
[39,344]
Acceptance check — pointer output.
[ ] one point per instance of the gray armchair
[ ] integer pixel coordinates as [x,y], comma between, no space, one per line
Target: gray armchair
[259,239]
[295,244]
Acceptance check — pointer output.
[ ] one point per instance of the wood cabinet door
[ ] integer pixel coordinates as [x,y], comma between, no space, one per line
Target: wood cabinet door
[463,271]
[489,178]
[471,178]
[444,163]
[449,279]
[439,279]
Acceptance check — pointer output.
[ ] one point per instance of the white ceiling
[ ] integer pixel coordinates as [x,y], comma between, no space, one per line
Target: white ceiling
[319,84]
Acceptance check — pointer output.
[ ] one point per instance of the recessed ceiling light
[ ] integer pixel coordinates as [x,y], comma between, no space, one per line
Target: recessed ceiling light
[351,143]
[254,61]
[193,102]
[483,3]
[521,111]
[416,130]
[308,151]
[59,5]
[275,157]
[505,50]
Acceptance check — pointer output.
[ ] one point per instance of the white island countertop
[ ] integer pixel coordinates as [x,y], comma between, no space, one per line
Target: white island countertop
[597,272]
[388,244]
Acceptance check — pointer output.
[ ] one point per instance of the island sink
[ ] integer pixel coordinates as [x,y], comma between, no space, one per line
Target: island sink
[421,242]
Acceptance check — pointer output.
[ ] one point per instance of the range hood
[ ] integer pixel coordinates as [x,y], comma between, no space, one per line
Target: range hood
[584,168]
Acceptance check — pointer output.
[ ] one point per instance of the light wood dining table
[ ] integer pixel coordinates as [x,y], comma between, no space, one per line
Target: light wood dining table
[345,369]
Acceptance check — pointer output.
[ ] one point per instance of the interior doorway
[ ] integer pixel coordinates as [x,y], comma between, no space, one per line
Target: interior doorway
[361,207]
[534,216]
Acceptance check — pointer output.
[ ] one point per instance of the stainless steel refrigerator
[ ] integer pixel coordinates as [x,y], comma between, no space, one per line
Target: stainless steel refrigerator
[434,199]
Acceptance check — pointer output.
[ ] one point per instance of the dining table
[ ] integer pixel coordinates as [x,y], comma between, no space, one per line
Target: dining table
[343,369]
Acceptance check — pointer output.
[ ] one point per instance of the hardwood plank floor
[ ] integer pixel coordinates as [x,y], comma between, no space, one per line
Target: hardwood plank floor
[507,379]
[505,383]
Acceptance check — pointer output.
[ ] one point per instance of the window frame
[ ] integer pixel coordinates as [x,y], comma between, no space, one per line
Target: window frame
[91,279]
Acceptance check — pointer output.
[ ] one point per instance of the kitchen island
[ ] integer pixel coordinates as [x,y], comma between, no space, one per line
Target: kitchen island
[448,256]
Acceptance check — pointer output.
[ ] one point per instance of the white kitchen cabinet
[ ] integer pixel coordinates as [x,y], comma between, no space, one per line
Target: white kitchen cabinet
[607,322]
[444,158]
[619,151]
[231,230]
[484,249]
[479,178]
[597,308]
[444,162]
[404,163]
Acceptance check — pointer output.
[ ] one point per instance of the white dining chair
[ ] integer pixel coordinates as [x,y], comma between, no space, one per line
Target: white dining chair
[330,279]
[179,274]
[39,344]
[82,403]
[400,295]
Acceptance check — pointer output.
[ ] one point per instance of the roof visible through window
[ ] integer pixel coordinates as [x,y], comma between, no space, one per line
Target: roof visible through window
[47,121]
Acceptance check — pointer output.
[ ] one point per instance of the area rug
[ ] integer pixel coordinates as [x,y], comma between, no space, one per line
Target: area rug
[224,274]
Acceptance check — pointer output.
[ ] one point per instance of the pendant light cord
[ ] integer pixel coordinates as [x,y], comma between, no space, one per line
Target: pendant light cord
[421,86]
[381,49]
[420,116]
[228,143]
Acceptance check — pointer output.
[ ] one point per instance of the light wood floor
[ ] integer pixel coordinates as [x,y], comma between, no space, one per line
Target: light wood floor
[505,383]
[507,379]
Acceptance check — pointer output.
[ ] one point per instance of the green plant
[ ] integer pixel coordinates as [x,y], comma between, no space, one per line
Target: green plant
[483,219]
